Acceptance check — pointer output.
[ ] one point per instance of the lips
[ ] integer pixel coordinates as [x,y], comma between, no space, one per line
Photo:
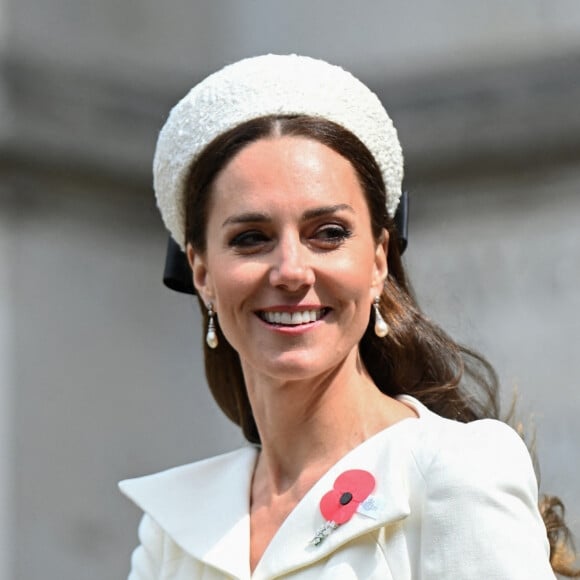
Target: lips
[294,318]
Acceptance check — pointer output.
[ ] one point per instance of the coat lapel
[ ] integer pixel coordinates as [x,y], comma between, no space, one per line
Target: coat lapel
[203,507]
[386,456]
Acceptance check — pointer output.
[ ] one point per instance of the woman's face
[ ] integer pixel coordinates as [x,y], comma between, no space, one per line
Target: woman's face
[290,265]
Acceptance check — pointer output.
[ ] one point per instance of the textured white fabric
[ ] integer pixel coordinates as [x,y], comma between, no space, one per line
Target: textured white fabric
[461,505]
[269,85]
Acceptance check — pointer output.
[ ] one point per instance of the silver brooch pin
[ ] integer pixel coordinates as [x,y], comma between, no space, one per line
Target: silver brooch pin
[323,532]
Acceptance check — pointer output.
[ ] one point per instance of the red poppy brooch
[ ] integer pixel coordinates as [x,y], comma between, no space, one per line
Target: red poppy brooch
[337,506]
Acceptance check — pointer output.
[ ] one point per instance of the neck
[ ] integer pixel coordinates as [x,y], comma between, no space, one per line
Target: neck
[307,425]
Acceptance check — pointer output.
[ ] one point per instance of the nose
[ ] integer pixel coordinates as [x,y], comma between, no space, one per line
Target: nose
[292,268]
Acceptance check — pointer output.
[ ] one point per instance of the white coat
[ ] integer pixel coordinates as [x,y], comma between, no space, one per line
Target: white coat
[460,502]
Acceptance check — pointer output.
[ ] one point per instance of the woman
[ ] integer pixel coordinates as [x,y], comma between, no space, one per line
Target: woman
[280,178]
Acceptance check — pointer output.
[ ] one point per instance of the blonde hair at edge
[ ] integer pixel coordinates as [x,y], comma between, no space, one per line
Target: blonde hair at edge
[450,379]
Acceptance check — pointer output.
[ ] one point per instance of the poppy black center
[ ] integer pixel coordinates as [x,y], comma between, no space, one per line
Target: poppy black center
[345,498]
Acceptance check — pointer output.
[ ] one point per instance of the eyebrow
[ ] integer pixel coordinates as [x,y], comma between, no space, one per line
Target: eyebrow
[326,210]
[245,218]
[256,217]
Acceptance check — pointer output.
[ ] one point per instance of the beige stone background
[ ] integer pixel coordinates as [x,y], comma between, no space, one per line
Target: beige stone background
[100,371]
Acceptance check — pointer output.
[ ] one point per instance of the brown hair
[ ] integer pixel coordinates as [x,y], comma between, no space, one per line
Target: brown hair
[416,357]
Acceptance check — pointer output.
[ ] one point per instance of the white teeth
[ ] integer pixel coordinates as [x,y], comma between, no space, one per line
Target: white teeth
[297,318]
[293,318]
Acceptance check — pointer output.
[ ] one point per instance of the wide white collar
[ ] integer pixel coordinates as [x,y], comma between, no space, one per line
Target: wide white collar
[204,506]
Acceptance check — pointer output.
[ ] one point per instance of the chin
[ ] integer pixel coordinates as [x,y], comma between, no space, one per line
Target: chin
[296,366]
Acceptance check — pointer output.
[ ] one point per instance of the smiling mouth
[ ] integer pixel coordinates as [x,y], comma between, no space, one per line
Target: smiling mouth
[293,318]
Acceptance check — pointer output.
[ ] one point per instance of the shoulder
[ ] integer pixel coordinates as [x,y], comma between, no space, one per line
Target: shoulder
[479,506]
[480,452]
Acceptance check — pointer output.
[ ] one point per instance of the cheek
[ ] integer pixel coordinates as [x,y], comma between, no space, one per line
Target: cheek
[234,278]
[236,286]
[352,274]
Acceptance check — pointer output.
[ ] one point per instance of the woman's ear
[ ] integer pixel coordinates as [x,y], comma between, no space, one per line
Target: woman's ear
[381,268]
[201,277]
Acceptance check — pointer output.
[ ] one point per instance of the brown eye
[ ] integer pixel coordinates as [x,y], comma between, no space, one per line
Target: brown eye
[248,239]
[333,234]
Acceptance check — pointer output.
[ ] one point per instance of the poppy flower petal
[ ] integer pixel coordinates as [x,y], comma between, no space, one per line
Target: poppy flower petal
[333,510]
[358,482]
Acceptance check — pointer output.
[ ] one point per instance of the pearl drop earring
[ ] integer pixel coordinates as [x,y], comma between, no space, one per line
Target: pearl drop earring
[381,326]
[211,336]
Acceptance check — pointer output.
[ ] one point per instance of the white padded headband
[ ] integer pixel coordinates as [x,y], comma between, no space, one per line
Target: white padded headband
[261,86]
